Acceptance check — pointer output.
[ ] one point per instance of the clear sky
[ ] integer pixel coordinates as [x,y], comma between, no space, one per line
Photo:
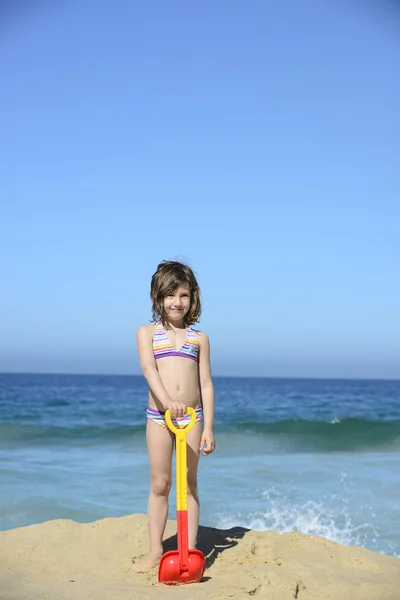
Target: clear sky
[258,141]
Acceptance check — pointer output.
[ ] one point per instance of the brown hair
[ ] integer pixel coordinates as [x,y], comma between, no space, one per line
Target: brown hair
[168,276]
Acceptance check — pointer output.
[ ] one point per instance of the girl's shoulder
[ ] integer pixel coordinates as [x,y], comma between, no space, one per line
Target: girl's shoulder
[202,337]
[146,330]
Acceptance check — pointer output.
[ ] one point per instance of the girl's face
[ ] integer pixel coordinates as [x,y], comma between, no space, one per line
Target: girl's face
[177,303]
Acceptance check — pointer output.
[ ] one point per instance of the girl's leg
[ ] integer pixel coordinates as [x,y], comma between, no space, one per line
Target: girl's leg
[193,452]
[160,443]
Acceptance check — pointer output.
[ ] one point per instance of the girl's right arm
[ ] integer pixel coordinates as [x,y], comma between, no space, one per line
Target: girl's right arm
[144,336]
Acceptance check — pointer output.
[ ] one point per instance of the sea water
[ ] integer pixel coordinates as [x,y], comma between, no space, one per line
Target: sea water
[316,456]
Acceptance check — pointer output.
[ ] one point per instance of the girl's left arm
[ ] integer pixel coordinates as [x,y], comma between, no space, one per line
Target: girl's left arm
[207,444]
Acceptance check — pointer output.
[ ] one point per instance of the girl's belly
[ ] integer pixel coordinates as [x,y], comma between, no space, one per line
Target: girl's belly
[181,381]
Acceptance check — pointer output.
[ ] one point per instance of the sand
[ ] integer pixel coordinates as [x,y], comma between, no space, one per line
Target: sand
[64,560]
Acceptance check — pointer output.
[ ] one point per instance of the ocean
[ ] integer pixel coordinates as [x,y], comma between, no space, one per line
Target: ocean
[317,456]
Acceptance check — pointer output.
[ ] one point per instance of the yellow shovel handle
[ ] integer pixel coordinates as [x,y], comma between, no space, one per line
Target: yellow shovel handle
[181,461]
[188,427]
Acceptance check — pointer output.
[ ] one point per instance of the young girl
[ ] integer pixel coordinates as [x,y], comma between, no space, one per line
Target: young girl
[175,360]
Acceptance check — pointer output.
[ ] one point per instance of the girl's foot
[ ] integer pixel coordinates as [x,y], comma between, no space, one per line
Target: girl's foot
[148,562]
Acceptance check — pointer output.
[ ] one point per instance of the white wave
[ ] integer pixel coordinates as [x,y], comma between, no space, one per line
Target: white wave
[310,518]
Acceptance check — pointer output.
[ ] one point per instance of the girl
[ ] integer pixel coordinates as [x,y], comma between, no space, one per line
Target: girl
[175,360]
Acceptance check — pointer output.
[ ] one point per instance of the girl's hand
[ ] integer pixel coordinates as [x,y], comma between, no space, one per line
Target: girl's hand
[207,443]
[177,409]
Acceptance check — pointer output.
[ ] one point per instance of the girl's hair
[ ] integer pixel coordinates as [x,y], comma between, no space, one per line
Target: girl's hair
[168,276]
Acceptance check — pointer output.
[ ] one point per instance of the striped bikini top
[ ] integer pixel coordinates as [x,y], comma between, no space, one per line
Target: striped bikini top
[162,347]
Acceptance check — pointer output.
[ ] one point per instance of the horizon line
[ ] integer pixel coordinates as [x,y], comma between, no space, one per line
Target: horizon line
[274,377]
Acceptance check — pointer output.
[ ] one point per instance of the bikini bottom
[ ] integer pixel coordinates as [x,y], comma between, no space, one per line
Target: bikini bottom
[159,417]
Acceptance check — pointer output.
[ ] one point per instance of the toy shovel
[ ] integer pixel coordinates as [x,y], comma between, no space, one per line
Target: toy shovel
[182,565]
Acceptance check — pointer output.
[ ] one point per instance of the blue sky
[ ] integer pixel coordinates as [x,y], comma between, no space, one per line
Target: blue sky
[257,141]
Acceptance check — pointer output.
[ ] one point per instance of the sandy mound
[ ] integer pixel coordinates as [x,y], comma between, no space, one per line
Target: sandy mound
[66,560]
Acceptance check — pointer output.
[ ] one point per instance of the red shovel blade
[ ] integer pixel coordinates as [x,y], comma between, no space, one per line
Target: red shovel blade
[170,571]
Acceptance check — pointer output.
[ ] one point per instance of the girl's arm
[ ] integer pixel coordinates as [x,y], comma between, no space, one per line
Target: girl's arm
[207,394]
[144,336]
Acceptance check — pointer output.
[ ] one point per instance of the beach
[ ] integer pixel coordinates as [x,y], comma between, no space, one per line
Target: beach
[62,559]
[214,182]
[300,499]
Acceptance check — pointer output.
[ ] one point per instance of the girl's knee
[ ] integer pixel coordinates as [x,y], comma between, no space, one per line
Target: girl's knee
[161,486]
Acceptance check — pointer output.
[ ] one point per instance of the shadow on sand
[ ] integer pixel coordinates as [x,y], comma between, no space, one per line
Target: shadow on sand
[211,541]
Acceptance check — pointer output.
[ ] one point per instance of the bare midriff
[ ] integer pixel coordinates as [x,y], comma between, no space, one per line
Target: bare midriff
[180,376]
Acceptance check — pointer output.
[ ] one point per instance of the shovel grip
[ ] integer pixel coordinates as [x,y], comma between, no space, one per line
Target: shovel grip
[189,426]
